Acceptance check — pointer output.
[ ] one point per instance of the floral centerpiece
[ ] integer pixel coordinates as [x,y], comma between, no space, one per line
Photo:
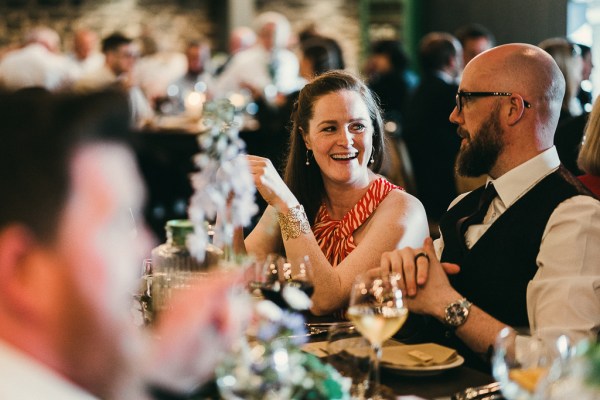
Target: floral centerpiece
[223,186]
[271,365]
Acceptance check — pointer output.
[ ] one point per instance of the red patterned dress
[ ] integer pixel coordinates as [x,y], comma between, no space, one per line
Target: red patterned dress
[335,237]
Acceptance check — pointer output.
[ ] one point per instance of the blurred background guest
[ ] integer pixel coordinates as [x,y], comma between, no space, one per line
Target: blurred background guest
[431,138]
[267,68]
[589,155]
[391,79]
[120,55]
[572,119]
[474,39]
[240,38]
[39,63]
[85,52]
[197,79]
[158,66]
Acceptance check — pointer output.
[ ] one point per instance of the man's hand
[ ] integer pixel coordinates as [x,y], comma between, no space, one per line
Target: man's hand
[414,265]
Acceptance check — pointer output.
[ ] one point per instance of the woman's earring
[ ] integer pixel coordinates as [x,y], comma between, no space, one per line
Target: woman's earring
[371,161]
[307,157]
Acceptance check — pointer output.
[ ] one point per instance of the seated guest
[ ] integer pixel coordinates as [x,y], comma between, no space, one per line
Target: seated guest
[266,65]
[589,155]
[69,261]
[38,63]
[120,56]
[85,54]
[332,206]
[474,39]
[196,79]
[525,251]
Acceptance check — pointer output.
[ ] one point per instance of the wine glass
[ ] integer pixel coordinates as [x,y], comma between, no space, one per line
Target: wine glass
[271,280]
[377,310]
[521,363]
[298,273]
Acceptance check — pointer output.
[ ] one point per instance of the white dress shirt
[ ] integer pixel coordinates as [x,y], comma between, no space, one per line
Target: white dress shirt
[251,67]
[36,66]
[22,378]
[564,294]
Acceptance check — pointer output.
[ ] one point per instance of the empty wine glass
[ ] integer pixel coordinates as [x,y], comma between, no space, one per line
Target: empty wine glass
[377,310]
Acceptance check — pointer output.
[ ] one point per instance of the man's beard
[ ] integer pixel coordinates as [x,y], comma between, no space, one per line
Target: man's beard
[480,152]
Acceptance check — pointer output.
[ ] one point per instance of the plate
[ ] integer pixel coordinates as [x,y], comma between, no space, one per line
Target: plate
[424,371]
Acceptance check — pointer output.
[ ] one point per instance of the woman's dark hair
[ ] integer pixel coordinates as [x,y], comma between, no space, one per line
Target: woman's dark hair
[305,181]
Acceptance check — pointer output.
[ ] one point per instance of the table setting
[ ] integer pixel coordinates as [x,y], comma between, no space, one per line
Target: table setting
[287,353]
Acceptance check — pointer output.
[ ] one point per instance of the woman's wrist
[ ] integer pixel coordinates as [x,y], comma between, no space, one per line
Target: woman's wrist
[293,222]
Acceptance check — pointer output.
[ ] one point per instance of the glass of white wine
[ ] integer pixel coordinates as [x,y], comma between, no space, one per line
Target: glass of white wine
[377,310]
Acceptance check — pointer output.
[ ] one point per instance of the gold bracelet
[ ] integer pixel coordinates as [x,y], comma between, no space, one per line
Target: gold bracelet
[293,223]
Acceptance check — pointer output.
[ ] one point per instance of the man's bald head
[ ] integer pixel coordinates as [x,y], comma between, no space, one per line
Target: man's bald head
[523,69]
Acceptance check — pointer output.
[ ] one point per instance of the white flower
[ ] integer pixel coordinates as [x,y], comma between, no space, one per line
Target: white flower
[269,310]
[296,298]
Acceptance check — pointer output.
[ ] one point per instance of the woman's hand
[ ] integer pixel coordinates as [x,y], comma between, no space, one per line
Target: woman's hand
[270,185]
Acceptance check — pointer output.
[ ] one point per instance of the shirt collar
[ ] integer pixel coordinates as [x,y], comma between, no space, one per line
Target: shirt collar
[516,182]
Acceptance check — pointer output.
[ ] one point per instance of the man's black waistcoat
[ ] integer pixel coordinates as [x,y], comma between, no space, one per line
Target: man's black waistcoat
[495,273]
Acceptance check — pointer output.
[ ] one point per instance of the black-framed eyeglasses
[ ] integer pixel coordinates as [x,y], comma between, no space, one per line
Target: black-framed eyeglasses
[461,94]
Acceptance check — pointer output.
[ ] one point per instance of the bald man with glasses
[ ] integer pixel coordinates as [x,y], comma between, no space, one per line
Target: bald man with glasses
[522,251]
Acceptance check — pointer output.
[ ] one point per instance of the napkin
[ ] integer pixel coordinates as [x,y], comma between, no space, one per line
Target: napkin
[418,355]
[345,346]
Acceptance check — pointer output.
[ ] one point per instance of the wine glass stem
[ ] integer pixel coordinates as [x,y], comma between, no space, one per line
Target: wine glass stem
[376,356]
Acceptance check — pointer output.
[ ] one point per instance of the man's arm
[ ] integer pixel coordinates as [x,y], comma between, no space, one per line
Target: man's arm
[568,276]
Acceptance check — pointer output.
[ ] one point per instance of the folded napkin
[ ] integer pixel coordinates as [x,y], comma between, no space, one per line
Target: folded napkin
[353,347]
[418,355]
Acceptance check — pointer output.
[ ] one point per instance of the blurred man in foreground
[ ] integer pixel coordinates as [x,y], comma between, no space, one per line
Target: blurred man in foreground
[69,262]
[525,251]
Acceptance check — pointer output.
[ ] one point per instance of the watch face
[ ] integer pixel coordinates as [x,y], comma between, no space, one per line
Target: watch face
[456,313]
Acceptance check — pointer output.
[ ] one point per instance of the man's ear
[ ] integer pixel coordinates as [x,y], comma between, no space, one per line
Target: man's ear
[517,108]
[16,247]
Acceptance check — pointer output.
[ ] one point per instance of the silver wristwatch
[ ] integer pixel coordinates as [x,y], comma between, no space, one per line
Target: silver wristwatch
[457,312]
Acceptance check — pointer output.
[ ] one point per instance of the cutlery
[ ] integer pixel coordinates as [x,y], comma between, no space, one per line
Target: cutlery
[485,392]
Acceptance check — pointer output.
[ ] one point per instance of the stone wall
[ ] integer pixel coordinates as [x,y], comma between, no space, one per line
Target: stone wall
[172,22]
